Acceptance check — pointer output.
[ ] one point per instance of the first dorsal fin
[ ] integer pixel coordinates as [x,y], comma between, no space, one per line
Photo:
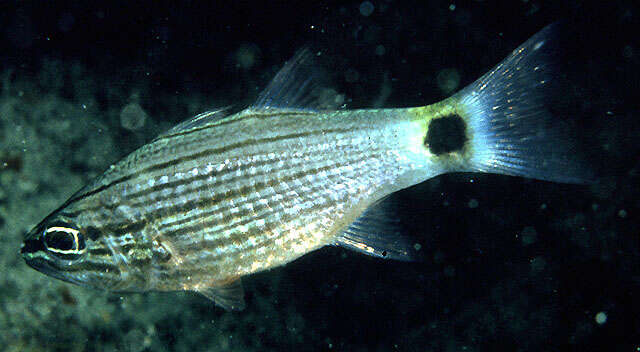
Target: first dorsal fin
[300,85]
[199,120]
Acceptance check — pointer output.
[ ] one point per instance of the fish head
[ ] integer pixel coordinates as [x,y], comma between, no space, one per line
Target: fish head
[71,249]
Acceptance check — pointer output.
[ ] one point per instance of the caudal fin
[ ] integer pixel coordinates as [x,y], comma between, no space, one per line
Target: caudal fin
[509,114]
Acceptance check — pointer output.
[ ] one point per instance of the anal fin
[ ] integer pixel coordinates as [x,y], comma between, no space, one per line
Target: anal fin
[379,232]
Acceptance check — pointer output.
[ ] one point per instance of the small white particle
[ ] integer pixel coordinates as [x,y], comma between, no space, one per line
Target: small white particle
[622,213]
[194,172]
[449,271]
[132,117]
[151,182]
[537,264]
[529,235]
[601,318]
[164,179]
[351,76]
[366,8]
[452,7]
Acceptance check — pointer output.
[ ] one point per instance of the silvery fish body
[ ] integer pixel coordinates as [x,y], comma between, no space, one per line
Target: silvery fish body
[223,196]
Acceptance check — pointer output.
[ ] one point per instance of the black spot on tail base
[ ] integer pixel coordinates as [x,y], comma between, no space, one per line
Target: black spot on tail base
[446,134]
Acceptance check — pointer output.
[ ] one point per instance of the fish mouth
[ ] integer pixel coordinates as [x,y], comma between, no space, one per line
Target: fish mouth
[46,268]
[31,244]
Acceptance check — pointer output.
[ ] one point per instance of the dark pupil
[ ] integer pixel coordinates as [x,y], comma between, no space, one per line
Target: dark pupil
[59,240]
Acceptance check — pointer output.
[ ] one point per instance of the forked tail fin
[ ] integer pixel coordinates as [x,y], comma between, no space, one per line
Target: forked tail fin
[511,126]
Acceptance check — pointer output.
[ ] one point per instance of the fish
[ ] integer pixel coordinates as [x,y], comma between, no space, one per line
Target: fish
[225,195]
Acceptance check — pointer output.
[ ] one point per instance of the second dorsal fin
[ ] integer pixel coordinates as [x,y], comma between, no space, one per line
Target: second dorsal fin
[300,85]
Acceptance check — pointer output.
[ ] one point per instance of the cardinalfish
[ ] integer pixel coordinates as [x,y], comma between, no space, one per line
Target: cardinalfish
[222,196]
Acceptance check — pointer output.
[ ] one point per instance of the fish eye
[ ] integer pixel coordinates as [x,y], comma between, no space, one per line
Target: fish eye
[64,242]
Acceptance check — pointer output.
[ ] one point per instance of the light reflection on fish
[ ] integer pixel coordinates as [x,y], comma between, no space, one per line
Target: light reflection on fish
[220,196]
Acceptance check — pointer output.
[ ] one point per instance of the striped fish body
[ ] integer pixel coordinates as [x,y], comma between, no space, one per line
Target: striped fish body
[219,197]
[202,207]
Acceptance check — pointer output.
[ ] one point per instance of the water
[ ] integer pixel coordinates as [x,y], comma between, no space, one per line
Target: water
[511,263]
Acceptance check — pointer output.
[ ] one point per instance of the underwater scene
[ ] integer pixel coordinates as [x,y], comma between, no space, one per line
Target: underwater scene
[319,176]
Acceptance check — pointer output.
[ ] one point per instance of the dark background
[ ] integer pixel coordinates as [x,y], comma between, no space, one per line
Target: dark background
[480,288]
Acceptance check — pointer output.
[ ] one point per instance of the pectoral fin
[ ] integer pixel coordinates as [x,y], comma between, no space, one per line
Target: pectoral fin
[229,296]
